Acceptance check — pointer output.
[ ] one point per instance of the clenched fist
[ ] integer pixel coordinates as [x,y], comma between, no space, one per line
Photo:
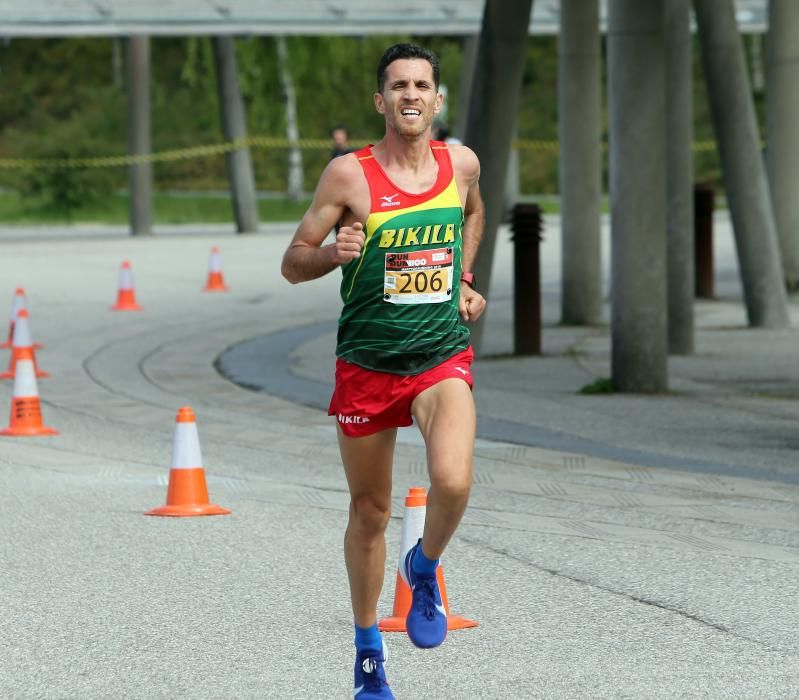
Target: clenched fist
[471,303]
[349,241]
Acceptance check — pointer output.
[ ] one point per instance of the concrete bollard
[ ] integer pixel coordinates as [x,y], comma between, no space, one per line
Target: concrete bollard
[527,225]
[704,197]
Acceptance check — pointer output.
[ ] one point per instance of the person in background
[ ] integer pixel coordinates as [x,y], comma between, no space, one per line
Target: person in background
[441,133]
[341,142]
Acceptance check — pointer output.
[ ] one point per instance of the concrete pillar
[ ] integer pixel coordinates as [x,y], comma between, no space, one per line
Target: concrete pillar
[679,177]
[295,188]
[742,164]
[239,164]
[579,123]
[782,136]
[140,175]
[470,44]
[512,188]
[493,107]
[637,108]
[117,61]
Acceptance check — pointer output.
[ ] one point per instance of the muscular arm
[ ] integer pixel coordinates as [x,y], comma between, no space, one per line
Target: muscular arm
[306,258]
[471,304]
[472,226]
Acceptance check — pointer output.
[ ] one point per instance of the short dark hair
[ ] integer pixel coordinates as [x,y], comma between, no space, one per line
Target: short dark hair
[401,51]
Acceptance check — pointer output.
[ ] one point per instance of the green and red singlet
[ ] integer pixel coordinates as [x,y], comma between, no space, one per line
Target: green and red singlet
[401,295]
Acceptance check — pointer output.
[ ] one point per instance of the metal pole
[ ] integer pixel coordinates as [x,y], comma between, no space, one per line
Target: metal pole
[704,196]
[526,224]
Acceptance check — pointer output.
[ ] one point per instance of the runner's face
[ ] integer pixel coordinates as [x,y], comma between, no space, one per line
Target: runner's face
[409,99]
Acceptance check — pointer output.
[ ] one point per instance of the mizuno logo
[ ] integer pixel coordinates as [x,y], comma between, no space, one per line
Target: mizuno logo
[388,200]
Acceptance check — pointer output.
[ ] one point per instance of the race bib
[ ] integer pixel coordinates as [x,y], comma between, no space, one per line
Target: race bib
[420,277]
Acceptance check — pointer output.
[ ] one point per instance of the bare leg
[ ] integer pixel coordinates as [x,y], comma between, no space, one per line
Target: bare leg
[446,417]
[367,465]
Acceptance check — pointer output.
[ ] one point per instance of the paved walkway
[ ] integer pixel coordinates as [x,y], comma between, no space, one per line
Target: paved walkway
[615,546]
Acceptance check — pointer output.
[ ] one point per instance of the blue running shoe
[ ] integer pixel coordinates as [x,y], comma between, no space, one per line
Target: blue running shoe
[370,676]
[427,619]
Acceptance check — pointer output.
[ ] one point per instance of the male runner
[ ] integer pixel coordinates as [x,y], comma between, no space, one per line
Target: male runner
[411,222]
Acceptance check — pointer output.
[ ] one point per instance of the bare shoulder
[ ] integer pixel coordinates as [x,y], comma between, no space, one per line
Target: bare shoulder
[464,162]
[341,195]
[344,170]
[342,183]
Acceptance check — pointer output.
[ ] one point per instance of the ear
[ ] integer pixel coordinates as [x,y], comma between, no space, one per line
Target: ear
[439,103]
[380,105]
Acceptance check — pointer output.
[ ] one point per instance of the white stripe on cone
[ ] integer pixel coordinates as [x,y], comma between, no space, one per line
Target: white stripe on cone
[215,263]
[17,303]
[125,276]
[412,530]
[22,332]
[186,453]
[25,380]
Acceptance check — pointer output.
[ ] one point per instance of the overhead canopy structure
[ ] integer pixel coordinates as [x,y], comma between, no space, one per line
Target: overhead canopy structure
[50,18]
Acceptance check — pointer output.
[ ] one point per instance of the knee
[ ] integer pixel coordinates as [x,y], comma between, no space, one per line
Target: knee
[453,484]
[369,516]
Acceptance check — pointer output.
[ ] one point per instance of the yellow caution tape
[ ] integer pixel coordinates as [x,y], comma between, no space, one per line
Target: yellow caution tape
[228,146]
[553,146]
[165,156]
[532,145]
[700,146]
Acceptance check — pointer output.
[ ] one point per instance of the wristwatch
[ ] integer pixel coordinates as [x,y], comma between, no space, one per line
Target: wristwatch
[468,277]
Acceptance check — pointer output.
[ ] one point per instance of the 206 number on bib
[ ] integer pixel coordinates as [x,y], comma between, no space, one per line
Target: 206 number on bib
[420,277]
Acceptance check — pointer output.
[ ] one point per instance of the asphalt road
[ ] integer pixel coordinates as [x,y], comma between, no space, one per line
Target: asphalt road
[615,547]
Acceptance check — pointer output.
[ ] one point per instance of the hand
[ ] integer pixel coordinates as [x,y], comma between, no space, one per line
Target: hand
[349,242]
[471,303]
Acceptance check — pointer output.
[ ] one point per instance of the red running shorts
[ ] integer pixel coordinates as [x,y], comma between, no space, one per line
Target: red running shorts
[366,402]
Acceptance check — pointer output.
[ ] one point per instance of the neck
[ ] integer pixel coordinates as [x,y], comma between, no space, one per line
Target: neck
[409,153]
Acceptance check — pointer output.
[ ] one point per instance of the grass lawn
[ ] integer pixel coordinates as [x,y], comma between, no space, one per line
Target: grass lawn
[167,209]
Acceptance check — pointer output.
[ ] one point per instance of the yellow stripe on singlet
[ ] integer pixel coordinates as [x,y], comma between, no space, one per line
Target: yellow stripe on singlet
[447,199]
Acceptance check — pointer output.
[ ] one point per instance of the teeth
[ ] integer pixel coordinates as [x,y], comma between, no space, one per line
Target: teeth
[411,111]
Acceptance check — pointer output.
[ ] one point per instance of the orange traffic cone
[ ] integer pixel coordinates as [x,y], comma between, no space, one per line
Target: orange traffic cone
[126,295]
[187,493]
[412,529]
[26,409]
[18,302]
[215,283]
[22,347]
